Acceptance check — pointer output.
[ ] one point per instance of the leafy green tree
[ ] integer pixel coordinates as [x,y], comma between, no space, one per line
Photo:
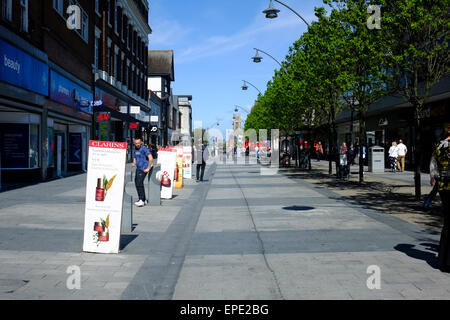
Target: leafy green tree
[418,35]
[363,61]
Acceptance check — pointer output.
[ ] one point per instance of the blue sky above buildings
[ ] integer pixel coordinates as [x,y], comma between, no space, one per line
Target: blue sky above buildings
[213,43]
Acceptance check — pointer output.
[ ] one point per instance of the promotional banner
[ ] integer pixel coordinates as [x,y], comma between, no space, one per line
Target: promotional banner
[179,168]
[15,143]
[187,162]
[75,148]
[167,159]
[104,196]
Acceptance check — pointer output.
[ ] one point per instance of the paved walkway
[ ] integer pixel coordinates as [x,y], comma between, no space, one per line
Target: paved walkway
[238,235]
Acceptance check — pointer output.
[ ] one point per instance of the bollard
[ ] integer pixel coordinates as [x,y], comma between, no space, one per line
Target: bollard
[154,187]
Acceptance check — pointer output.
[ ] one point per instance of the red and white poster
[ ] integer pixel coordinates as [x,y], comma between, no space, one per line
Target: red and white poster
[187,162]
[167,159]
[104,196]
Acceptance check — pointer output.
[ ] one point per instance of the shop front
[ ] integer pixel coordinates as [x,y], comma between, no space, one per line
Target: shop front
[68,124]
[114,120]
[23,90]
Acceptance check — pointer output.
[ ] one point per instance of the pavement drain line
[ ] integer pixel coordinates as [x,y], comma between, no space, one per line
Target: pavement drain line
[161,284]
[261,243]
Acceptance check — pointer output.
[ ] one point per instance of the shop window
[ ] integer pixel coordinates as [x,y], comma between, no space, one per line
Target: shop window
[34,146]
[58,6]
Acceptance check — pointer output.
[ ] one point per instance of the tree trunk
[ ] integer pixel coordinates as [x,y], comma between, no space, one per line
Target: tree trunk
[362,141]
[417,156]
[330,153]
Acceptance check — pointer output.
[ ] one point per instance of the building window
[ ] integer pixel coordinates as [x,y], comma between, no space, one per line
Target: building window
[97,6]
[96,53]
[108,10]
[24,15]
[115,66]
[130,36]
[124,27]
[85,27]
[7,9]
[58,6]
[107,60]
[116,19]
[125,76]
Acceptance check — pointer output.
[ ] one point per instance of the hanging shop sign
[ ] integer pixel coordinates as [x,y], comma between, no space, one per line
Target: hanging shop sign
[167,159]
[108,99]
[133,126]
[104,196]
[153,129]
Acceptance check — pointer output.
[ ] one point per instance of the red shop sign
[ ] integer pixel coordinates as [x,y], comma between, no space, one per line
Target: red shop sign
[133,126]
[103,116]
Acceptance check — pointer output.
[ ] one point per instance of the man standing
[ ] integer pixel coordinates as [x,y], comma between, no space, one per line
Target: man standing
[200,155]
[440,175]
[143,161]
[402,151]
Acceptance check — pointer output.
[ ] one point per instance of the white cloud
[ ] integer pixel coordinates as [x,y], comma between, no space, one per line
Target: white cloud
[223,44]
[167,33]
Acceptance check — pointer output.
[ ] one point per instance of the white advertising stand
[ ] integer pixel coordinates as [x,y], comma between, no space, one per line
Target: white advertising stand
[187,162]
[104,196]
[167,159]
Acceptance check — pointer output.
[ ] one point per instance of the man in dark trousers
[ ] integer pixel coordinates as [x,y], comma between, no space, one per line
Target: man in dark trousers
[200,156]
[143,161]
[440,174]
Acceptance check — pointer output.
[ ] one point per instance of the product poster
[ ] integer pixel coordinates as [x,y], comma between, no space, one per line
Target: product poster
[179,168]
[187,162]
[167,159]
[104,196]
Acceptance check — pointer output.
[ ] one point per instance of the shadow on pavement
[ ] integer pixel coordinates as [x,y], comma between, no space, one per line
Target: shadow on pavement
[126,239]
[412,252]
[298,208]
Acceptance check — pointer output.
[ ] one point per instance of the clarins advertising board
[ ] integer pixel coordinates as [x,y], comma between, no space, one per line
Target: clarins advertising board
[167,158]
[104,196]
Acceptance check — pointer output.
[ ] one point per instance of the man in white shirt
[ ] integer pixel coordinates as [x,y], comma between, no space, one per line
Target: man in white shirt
[402,151]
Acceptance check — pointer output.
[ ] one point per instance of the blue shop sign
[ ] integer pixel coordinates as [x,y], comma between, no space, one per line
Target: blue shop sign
[22,70]
[69,93]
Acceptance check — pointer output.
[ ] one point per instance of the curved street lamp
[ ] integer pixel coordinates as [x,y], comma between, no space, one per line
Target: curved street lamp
[245,87]
[272,13]
[236,109]
[257,58]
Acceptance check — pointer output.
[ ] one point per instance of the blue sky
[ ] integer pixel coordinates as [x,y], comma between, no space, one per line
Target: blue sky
[213,43]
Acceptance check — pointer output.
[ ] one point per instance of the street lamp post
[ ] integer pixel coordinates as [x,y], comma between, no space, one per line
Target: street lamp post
[245,87]
[272,13]
[244,109]
[257,58]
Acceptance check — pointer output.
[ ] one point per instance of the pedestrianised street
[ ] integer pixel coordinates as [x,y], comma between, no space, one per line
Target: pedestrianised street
[236,235]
